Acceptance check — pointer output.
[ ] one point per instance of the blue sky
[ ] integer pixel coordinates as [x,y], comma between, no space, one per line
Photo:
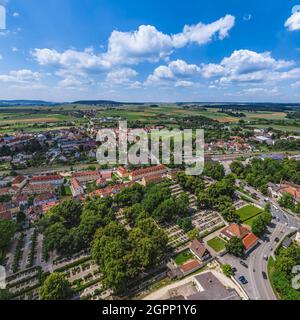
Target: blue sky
[192,50]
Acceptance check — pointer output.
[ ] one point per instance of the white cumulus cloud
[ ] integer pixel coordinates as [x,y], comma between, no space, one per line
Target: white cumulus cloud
[293,22]
[20,76]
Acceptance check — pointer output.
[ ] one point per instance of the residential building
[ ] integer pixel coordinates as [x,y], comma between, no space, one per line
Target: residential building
[44,199]
[199,250]
[12,191]
[32,189]
[122,173]
[19,182]
[156,178]
[55,180]
[141,173]
[111,190]
[292,189]
[86,176]
[264,139]
[234,230]
[190,267]
[21,200]
[277,191]
[249,239]
[76,188]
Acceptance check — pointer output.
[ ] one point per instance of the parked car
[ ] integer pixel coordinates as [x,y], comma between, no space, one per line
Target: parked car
[242,280]
[244,264]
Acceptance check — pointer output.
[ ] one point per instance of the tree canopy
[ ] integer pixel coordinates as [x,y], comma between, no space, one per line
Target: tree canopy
[55,287]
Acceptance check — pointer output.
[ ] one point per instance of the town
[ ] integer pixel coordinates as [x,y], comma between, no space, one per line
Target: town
[149,157]
[217,236]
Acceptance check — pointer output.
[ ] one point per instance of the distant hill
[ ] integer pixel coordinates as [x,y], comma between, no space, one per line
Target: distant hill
[97,102]
[6,103]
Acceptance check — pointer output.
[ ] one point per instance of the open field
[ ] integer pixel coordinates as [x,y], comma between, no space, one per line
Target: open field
[217,244]
[248,212]
[33,118]
[26,115]
[265,115]
[287,128]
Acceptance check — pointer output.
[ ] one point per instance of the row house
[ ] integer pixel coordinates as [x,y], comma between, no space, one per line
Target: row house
[12,191]
[44,198]
[19,182]
[142,173]
[156,178]
[55,180]
[31,189]
[86,176]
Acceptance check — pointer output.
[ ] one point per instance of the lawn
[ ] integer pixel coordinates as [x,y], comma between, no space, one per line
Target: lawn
[248,212]
[217,244]
[68,191]
[183,257]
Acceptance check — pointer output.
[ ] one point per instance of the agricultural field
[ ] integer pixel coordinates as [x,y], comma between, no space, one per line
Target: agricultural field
[32,118]
[144,113]
[22,117]
[265,115]
[286,128]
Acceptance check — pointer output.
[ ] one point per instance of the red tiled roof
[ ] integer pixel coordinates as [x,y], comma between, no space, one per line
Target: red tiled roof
[292,189]
[2,207]
[250,240]
[38,187]
[48,206]
[46,178]
[5,215]
[153,178]
[21,198]
[122,170]
[111,189]
[18,179]
[85,174]
[75,183]
[4,191]
[106,174]
[141,172]
[43,197]
[235,230]
[190,265]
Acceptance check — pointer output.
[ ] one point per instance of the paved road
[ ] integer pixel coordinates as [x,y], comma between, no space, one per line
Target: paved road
[259,265]
[283,223]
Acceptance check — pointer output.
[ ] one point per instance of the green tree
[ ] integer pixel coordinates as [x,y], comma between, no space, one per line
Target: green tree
[55,287]
[214,170]
[235,246]
[194,234]
[7,231]
[227,270]
[185,224]
[133,213]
